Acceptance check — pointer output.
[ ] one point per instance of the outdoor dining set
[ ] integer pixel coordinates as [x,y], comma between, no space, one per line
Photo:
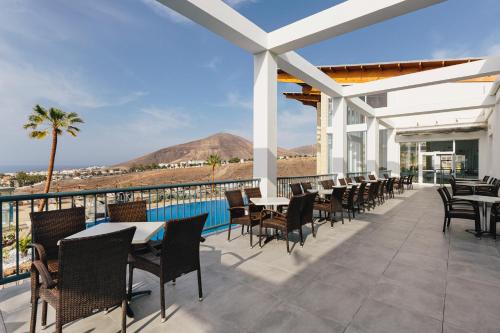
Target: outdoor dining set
[79,271]
[472,199]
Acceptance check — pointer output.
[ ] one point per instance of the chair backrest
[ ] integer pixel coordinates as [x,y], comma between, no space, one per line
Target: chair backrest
[336,199]
[485,178]
[361,191]
[447,193]
[361,178]
[296,189]
[342,182]
[308,208]
[357,179]
[495,212]
[327,184]
[411,179]
[443,198]
[453,185]
[306,186]
[181,246]
[372,177]
[49,227]
[92,272]
[132,211]
[294,211]
[386,176]
[373,189]
[349,180]
[253,192]
[235,199]
[350,195]
[381,187]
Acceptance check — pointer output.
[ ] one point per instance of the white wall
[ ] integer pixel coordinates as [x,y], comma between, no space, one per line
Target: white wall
[493,141]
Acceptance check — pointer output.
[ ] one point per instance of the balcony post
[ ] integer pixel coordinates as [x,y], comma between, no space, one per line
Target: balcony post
[372,145]
[393,153]
[338,132]
[265,89]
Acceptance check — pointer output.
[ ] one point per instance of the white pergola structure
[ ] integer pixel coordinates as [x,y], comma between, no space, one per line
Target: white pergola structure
[276,49]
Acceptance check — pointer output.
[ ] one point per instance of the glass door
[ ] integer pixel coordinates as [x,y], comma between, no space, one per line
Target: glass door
[435,167]
[428,168]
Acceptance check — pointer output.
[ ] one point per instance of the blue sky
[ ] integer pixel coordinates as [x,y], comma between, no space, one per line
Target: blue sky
[144,77]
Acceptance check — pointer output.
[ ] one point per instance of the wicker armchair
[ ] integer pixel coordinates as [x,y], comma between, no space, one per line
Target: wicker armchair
[372,177]
[494,219]
[342,182]
[238,215]
[348,201]
[307,215]
[92,276]
[349,180]
[359,197]
[285,223]
[296,189]
[357,179]
[306,186]
[452,211]
[180,254]
[328,184]
[381,191]
[47,229]
[333,206]
[133,211]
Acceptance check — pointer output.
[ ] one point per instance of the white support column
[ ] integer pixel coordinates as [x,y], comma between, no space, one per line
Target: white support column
[265,121]
[339,146]
[372,145]
[393,153]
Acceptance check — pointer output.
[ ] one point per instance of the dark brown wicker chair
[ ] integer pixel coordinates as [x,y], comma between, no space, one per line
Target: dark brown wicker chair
[372,177]
[359,197]
[238,215]
[349,180]
[285,223]
[494,219]
[342,182]
[361,178]
[381,191]
[133,211]
[451,211]
[333,206]
[180,254]
[327,184]
[357,179]
[92,276]
[306,186]
[307,215]
[349,202]
[296,189]
[47,229]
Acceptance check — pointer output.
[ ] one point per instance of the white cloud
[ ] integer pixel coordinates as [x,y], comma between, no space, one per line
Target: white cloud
[487,46]
[239,3]
[236,101]
[164,119]
[213,63]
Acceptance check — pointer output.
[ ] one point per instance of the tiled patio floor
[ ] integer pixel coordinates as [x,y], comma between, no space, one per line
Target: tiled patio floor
[391,270]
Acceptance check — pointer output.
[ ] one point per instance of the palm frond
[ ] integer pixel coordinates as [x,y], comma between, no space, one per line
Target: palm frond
[38,134]
[30,125]
[40,111]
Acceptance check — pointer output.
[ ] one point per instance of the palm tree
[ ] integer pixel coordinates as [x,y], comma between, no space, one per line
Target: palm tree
[41,122]
[213,160]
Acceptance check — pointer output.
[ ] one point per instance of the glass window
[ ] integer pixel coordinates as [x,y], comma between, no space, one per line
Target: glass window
[467,157]
[409,158]
[354,117]
[382,149]
[377,100]
[356,151]
[432,146]
[330,112]
[330,150]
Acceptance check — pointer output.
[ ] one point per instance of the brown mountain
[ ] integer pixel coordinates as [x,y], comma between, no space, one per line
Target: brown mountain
[225,144]
[309,150]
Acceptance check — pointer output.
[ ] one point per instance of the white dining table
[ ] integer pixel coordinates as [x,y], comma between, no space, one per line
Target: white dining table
[271,201]
[143,233]
[486,201]
[475,185]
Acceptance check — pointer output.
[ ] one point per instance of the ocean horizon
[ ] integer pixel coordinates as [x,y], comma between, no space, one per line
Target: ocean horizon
[37,167]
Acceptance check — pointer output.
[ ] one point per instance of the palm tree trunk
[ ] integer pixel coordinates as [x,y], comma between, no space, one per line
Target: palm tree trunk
[213,178]
[50,168]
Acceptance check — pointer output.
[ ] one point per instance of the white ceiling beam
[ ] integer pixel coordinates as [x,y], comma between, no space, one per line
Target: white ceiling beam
[218,17]
[340,19]
[295,65]
[486,67]
[457,105]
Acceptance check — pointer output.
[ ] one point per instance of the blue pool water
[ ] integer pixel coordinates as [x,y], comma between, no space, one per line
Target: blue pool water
[218,214]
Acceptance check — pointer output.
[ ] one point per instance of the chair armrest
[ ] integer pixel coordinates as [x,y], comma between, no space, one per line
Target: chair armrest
[42,270]
[40,250]
[237,207]
[270,211]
